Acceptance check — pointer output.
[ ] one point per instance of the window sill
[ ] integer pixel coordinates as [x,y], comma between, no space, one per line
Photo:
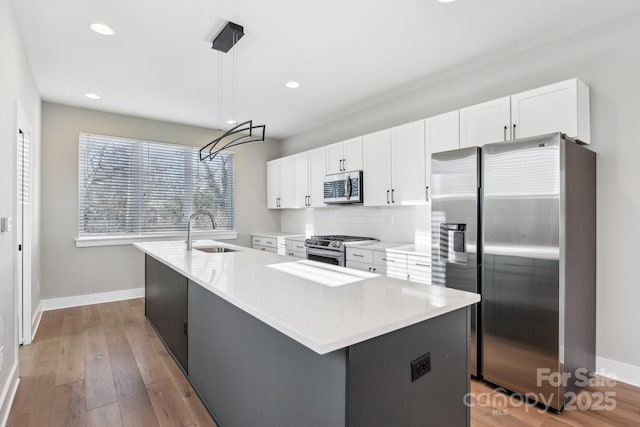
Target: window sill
[86,242]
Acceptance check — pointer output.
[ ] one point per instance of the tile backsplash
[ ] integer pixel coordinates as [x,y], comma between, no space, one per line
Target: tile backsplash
[402,224]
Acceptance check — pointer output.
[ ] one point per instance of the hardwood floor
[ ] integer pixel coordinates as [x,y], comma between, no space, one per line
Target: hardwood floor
[103,365]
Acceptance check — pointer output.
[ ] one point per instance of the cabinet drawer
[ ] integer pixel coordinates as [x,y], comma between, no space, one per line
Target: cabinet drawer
[360,255]
[391,264]
[296,246]
[297,254]
[419,268]
[362,266]
[265,248]
[270,242]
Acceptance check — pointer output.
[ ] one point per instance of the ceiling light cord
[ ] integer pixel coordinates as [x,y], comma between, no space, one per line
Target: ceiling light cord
[219,90]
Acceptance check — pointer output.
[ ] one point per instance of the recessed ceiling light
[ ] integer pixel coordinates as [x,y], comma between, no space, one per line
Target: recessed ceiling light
[292,84]
[92,96]
[232,122]
[103,29]
[446,1]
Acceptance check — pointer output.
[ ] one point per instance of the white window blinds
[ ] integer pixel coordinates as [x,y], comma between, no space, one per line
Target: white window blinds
[129,187]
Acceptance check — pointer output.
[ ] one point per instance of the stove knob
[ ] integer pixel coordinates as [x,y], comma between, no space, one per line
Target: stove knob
[338,244]
[307,241]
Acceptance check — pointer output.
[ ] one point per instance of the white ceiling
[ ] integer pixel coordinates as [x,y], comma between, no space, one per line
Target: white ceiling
[345,53]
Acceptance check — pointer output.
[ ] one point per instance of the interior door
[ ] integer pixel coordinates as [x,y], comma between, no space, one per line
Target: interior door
[377,168]
[317,172]
[408,164]
[300,180]
[485,123]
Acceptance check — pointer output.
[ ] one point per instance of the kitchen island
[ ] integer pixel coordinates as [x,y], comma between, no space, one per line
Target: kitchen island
[273,342]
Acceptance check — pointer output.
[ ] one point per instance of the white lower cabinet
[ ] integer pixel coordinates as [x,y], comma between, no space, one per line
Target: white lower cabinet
[267,244]
[296,249]
[413,267]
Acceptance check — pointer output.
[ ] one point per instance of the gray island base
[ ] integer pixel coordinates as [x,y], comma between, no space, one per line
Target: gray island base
[249,374]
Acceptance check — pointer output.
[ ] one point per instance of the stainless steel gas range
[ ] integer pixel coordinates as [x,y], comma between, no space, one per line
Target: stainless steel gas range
[331,249]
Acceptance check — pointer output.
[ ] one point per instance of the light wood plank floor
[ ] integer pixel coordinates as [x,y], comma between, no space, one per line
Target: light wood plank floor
[103,365]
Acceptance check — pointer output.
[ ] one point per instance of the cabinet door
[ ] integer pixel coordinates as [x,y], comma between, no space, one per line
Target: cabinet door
[485,123]
[553,108]
[317,172]
[300,180]
[377,168]
[362,266]
[335,154]
[408,158]
[443,132]
[352,154]
[286,182]
[273,184]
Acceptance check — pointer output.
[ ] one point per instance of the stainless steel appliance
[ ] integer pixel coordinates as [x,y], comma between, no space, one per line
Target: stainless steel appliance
[539,257]
[516,222]
[345,187]
[331,249]
[455,219]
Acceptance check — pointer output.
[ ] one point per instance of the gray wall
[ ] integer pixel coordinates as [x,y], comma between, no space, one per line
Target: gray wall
[17,85]
[607,58]
[70,271]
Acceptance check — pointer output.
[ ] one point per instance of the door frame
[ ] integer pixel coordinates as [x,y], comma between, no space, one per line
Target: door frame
[23,281]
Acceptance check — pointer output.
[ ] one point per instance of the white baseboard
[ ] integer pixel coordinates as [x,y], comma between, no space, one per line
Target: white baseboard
[35,321]
[8,394]
[619,371]
[80,300]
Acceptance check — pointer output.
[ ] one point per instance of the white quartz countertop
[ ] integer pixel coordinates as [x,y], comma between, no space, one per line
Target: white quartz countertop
[278,234]
[306,300]
[402,248]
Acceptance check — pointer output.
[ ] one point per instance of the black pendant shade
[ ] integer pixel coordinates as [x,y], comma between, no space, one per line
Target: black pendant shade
[249,133]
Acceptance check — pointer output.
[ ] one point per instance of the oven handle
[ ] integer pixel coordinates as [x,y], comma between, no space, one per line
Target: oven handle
[324,252]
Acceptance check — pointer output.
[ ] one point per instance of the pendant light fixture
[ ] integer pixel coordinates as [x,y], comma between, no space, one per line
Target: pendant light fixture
[242,132]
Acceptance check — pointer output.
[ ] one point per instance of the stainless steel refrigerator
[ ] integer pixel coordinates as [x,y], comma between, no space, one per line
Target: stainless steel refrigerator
[537,221]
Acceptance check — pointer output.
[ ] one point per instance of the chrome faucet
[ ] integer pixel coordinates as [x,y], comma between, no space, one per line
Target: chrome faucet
[193,215]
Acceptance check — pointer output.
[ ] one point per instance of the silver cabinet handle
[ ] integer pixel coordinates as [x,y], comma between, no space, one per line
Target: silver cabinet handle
[269,243]
[340,165]
[257,240]
[421,265]
[387,196]
[344,164]
[388,260]
[263,249]
[392,200]
[505,133]
[426,193]
[358,255]
[299,247]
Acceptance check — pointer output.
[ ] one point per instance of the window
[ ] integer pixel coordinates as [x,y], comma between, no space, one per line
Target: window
[136,189]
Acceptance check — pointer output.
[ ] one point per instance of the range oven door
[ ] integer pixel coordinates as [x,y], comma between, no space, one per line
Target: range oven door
[326,256]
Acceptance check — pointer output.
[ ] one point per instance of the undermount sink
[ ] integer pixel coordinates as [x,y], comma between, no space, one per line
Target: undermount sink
[215,249]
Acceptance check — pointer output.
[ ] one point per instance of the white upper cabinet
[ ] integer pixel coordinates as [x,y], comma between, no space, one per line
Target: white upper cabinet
[273,184]
[286,183]
[443,132]
[485,123]
[408,186]
[377,168]
[317,172]
[344,156]
[300,180]
[394,166]
[353,160]
[335,156]
[560,107]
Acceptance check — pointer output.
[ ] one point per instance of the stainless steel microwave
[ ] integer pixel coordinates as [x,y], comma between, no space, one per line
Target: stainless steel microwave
[345,187]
